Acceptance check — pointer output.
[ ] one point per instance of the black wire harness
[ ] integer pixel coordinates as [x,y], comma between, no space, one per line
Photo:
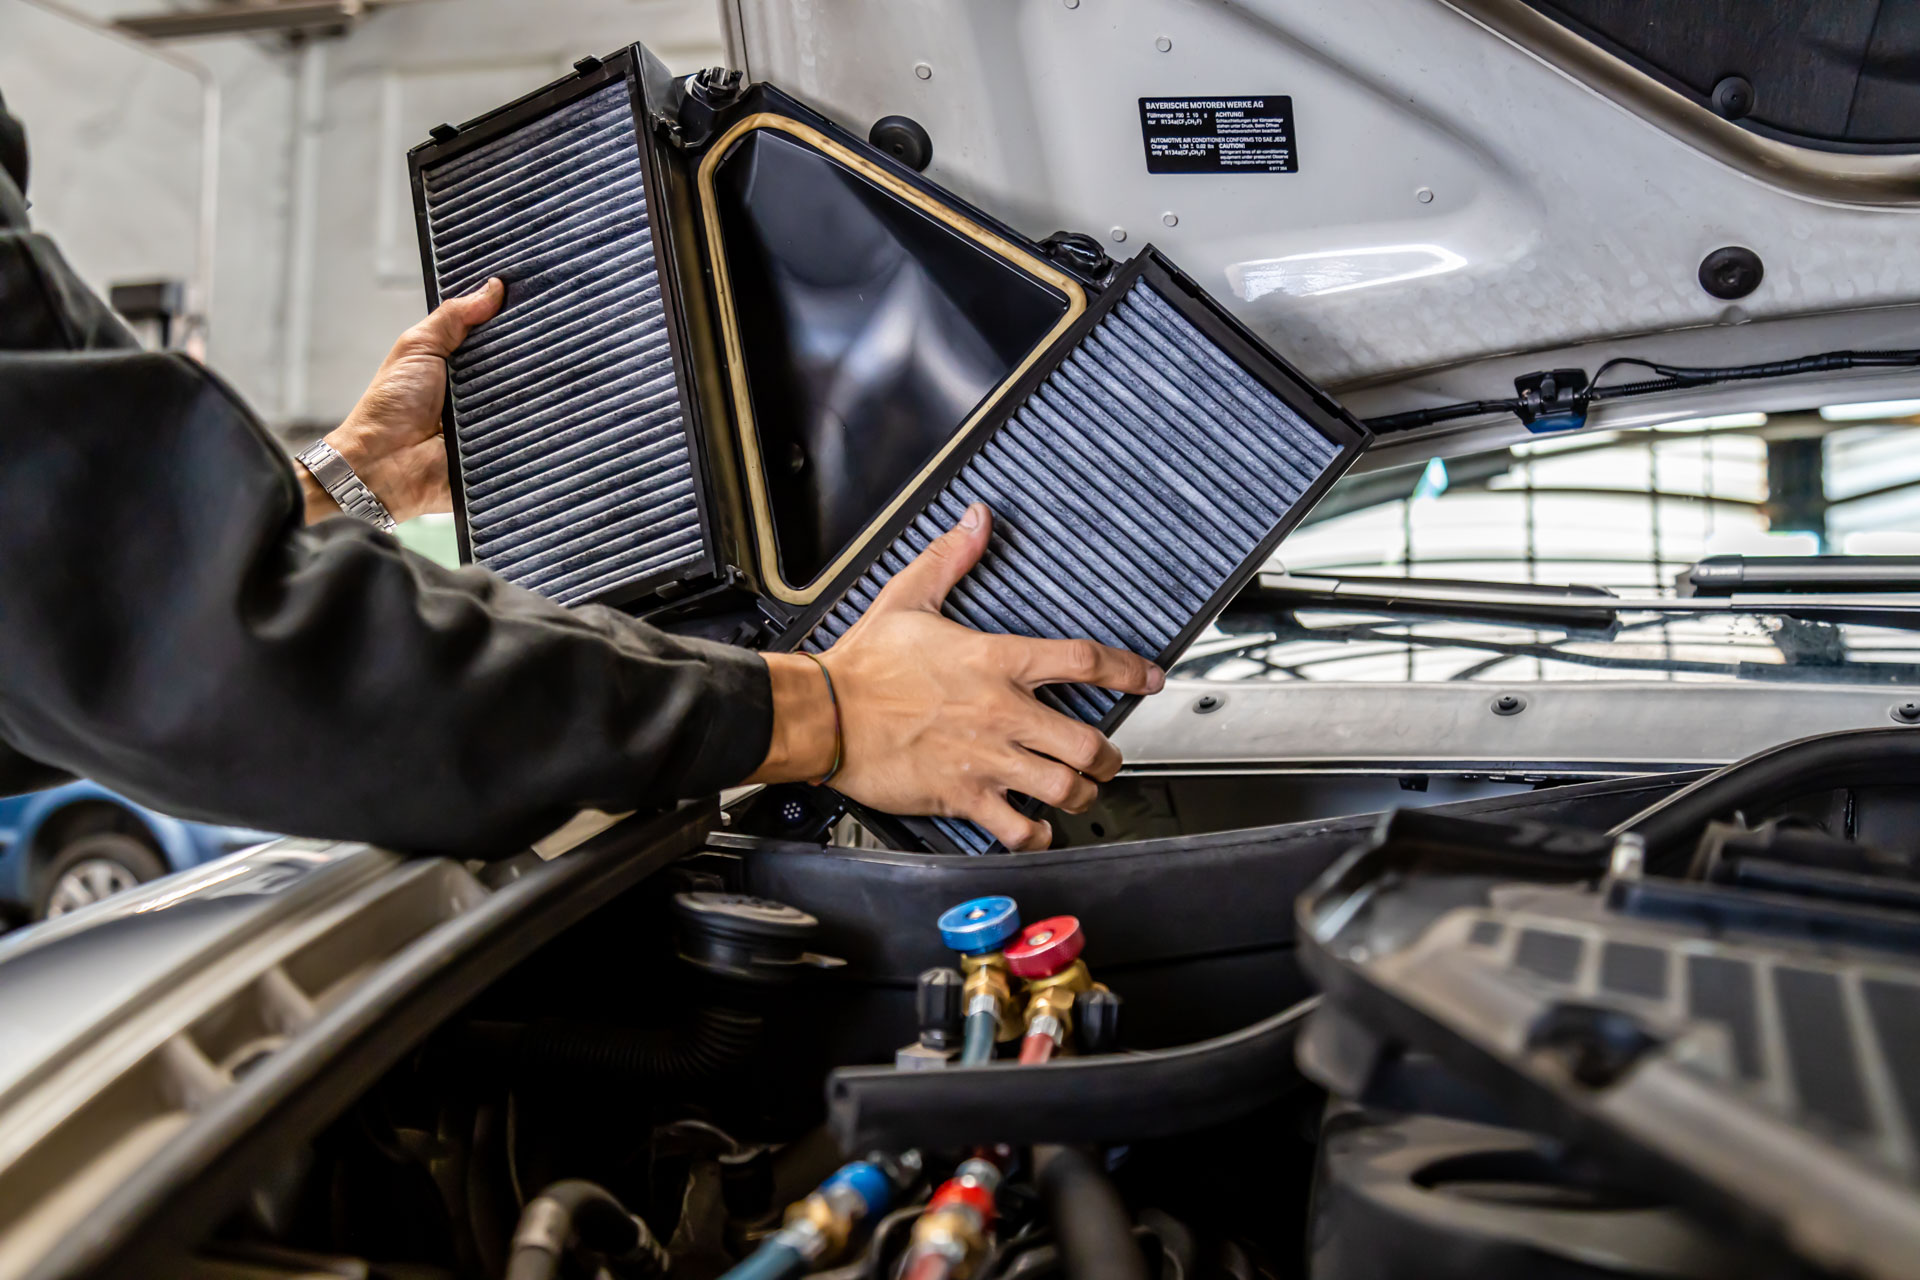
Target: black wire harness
[1667,377]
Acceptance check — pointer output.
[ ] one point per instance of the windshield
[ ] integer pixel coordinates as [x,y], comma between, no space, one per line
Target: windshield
[1624,510]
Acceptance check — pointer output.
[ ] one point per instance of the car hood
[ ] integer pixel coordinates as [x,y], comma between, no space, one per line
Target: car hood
[1479,190]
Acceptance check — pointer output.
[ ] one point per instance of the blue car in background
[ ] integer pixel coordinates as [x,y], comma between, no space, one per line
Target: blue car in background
[74,844]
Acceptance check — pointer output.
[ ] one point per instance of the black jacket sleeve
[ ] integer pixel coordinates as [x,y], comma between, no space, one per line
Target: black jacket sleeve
[169,628]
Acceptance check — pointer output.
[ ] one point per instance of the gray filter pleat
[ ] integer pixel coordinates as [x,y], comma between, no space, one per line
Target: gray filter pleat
[574,461]
[1126,491]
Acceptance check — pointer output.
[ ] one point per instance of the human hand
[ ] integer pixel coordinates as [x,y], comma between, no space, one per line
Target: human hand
[939,719]
[392,438]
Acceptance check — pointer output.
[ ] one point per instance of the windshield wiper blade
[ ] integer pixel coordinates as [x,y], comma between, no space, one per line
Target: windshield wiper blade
[1730,575]
[1561,607]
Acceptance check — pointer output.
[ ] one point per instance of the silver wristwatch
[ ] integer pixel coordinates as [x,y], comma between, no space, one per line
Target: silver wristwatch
[337,477]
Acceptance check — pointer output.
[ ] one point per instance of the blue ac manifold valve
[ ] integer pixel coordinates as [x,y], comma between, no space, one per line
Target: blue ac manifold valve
[980,925]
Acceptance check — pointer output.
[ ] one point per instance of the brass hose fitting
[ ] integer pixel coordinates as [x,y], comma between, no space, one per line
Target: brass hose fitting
[986,976]
[1050,1001]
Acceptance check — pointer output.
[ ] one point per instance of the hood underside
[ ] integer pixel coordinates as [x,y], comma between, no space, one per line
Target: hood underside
[1460,191]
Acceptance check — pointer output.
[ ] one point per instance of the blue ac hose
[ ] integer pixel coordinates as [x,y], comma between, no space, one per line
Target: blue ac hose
[771,1261]
[978,1046]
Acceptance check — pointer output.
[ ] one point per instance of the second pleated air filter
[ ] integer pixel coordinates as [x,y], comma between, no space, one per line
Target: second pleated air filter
[1138,478]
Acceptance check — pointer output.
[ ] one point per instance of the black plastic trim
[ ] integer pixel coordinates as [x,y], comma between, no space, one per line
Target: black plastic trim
[1849,758]
[1107,1099]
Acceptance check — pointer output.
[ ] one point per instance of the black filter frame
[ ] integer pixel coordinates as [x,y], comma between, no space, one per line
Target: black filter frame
[1260,361]
[651,92]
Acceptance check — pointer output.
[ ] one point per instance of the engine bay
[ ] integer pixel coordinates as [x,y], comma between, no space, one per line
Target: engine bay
[1292,1050]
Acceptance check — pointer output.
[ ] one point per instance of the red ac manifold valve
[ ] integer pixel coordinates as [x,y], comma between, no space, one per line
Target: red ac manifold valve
[1046,947]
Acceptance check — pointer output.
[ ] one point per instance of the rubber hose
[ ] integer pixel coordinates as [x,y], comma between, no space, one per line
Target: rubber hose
[584,1212]
[714,1043]
[771,1261]
[1089,1219]
[1035,1050]
[930,1267]
[1849,758]
[978,1047]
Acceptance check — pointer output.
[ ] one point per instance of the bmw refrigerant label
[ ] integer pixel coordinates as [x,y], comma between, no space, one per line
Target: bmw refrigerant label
[1219,135]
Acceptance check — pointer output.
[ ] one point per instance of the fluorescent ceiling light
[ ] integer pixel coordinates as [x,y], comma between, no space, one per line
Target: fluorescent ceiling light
[1718,422]
[1881,542]
[1870,409]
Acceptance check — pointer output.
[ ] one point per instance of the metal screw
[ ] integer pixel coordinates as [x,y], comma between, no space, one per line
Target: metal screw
[1040,938]
[1206,703]
[1509,704]
[1163,44]
[976,913]
[1170,219]
[1629,858]
[1424,195]
[922,70]
[1905,712]
[1119,235]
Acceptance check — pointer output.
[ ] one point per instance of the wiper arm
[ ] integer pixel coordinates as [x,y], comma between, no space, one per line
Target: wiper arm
[1729,575]
[1560,607]
[1523,604]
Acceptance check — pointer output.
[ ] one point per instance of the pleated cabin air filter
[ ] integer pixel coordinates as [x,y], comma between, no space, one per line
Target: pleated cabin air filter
[1150,466]
[749,361]
[575,472]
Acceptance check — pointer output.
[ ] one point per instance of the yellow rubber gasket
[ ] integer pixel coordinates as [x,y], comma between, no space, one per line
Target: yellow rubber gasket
[1001,247]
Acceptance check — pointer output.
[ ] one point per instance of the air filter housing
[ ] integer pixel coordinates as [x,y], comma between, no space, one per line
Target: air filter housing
[748,360]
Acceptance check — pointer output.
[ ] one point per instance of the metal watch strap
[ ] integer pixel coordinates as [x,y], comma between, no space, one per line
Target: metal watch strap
[337,477]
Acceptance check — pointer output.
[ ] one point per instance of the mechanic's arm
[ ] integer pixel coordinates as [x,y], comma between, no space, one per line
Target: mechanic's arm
[169,628]
[936,718]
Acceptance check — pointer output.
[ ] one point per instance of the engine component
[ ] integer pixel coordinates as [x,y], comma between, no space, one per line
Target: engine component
[951,1236]
[938,1009]
[1098,1015]
[980,925]
[1443,1199]
[819,1228]
[977,929]
[1111,1099]
[1047,959]
[746,939]
[577,1216]
[1854,758]
[716,1043]
[1747,1053]
[1088,1216]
